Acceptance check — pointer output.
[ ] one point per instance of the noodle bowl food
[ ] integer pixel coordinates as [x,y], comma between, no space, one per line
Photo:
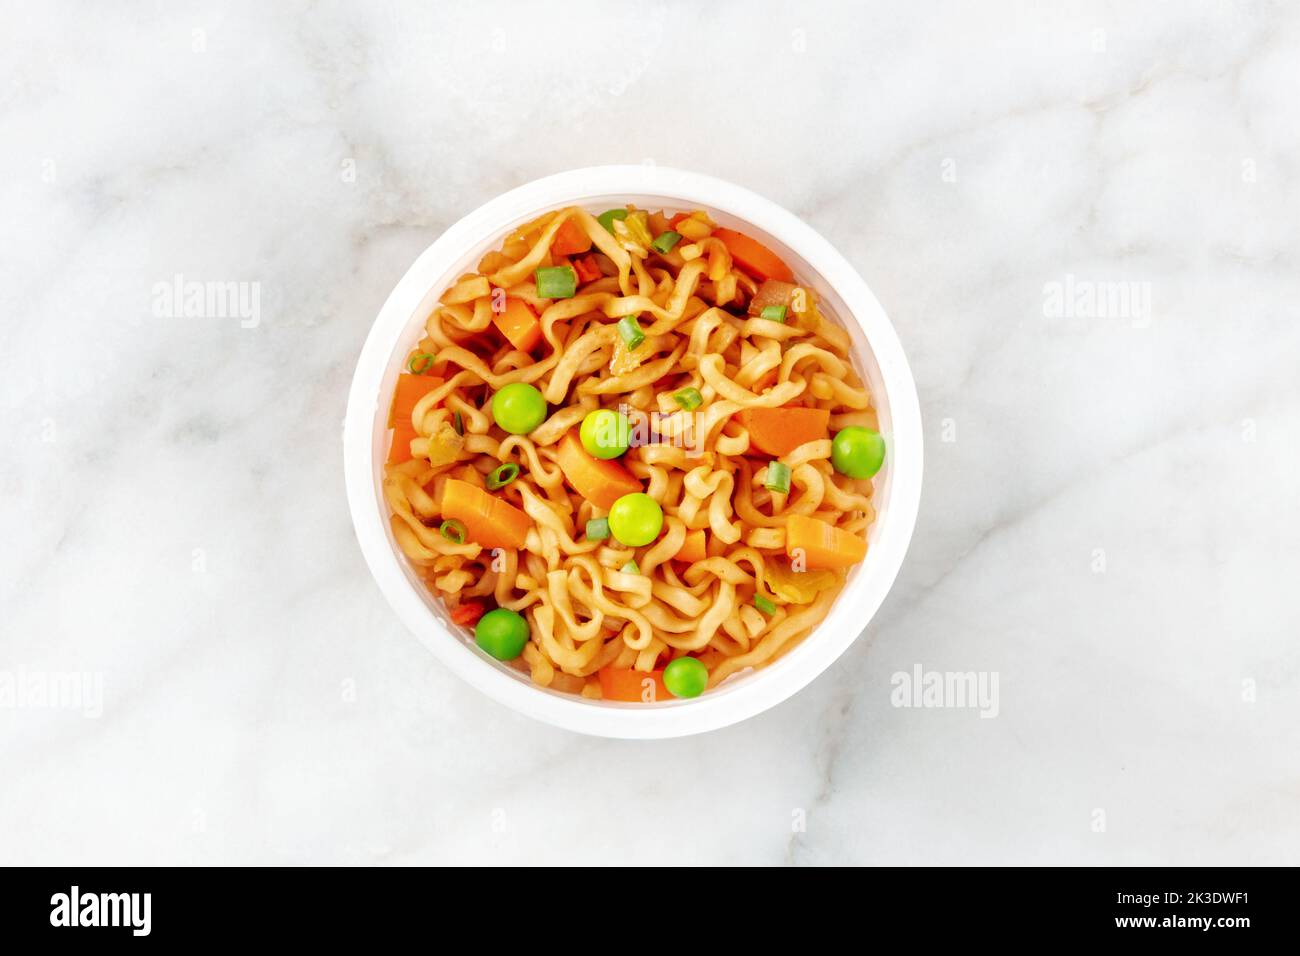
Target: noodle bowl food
[632,455]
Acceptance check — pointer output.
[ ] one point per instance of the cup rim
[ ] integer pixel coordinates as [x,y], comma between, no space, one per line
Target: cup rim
[853,607]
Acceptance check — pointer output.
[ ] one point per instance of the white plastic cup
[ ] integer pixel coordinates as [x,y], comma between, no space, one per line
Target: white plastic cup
[877,355]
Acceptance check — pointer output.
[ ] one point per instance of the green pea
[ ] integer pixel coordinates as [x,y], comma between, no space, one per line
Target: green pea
[605,433]
[502,633]
[518,408]
[857,452]
[636,519]
[686,677]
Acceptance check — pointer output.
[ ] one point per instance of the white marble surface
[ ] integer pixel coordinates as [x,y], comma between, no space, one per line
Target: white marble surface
[173,513]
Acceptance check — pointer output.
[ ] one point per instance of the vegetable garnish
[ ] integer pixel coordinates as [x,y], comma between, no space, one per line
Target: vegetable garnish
[502,633]
[445,445]
[519,324]
[636,519]
[637,226]
[857,452]
[665,241]
[754,257]
[587,268]
[453,530]
[518,408]
[605,433]
[556,282]
[630,568]
[403,434]
[489,520]
[631,331]
[630,685]
[773,313]
[688,398]
[607,218]
[598,529]
[778,477]
[467,614]
[773,292]
[407,394]
[694,548]
[822,545]
[458,423]
[797,587]
[779,431]
[420,363]
[599,481]
[570,239]
[502,475]
[686,677]
[764,605]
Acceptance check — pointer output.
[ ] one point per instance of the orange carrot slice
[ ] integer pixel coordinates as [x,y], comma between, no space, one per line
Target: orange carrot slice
[694,548]
[519,324]
[467,614]
[822,545]
[570,240]
[754,257]
[600,482]
[779,431]
[410,389]
[587,269]
[403,434]
[624,683]
[488,520]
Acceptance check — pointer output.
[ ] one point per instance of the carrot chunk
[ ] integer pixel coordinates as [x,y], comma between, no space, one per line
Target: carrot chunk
[624,683]
[779,431]
[488,520]
[694,548]
[519,324]
[600,482]
[570,240]
[410,389]
[822,545]
[403,434]
[587,269]
[468,613]
[754,257]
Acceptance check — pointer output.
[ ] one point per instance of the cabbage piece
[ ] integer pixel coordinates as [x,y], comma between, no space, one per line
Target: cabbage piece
[636,229]
[445,445]
[627,360]
[774,292]
[797,587]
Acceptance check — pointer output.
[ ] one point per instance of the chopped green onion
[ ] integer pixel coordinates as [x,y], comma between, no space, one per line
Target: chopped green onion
[764,605]
[630,568]
[631,332]
[607,218]
[556,282]
[665,241]
[688,398]
[453,530]
[774,312]
[778,477]
[420,363]
[597,529]
[459,424]
[502,475]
